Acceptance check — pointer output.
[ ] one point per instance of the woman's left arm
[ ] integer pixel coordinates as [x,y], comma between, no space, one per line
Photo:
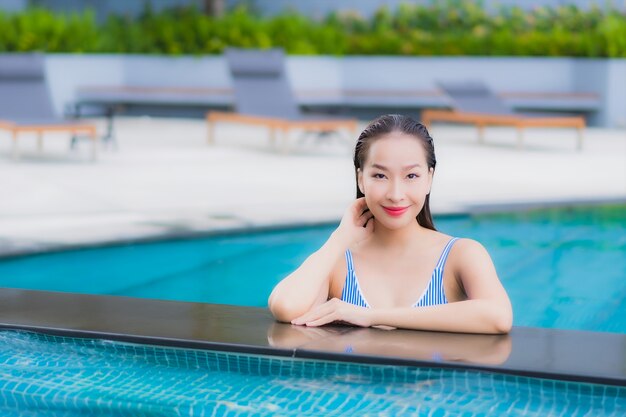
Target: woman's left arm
[486,310]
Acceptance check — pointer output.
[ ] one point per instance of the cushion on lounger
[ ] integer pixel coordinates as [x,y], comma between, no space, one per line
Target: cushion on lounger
[21,67]
[262,63]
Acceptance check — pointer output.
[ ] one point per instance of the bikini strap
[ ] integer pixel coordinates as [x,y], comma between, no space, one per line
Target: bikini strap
[446,251]
[351,292]
[349,262]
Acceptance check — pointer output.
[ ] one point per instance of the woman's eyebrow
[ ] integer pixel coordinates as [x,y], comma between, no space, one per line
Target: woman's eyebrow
[383,168]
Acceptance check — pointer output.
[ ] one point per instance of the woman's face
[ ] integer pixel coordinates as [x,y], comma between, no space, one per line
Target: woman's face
[395,179]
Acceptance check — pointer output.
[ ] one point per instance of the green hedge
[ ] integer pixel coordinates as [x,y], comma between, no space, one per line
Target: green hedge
[455,27]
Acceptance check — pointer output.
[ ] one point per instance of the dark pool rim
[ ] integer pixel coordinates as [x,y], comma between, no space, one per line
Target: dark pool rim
[558,355]
[252,228]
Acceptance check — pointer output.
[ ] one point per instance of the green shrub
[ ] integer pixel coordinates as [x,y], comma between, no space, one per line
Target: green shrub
[453,27]
[39,29]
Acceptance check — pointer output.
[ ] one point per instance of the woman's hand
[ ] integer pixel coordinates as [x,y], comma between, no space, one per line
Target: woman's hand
[335,310]
[357,223]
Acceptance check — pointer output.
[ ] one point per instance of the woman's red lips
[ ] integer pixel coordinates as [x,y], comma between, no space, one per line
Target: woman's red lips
[395,211]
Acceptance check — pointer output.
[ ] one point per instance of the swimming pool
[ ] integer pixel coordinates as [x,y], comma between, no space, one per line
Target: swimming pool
[563,268]
[62,376]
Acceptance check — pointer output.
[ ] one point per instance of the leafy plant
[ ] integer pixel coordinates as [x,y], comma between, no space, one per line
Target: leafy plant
[451,27]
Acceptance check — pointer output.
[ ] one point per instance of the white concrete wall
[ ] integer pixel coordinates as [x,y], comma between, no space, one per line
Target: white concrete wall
[67,72]
[501,74]
[185,71]
[323,75]
[615,107]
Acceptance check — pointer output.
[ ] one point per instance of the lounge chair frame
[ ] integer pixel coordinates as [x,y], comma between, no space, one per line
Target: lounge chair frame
[74,129]
[261,67]
[33,64]
[520,123]
[502,116]
[278,126]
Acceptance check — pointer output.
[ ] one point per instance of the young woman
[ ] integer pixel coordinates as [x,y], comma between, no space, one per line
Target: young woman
[386,264]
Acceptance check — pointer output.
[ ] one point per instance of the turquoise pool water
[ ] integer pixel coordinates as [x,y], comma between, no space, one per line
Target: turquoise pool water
[563,268]
[60,376]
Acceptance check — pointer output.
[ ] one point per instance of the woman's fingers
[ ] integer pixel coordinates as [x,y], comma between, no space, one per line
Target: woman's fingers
[361,202]
[333,311]
[329,318]
[364,218]
[318,312]
[355,218]
[314,314]
[359,206]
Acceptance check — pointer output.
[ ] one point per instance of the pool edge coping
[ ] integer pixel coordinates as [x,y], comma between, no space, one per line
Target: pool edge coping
[232,329]
[305,354]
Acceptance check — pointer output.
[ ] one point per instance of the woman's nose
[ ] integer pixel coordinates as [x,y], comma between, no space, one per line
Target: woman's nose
[395,192]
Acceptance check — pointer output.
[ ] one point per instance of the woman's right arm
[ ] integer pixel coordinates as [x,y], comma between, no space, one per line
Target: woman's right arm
[308,286]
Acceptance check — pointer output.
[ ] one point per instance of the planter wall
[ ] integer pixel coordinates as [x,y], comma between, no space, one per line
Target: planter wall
[594,87]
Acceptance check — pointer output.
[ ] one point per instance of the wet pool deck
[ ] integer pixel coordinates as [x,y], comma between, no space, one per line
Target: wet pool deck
[163,180]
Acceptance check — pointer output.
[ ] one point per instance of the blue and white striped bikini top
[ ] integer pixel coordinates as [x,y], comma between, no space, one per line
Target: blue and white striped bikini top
[432,295]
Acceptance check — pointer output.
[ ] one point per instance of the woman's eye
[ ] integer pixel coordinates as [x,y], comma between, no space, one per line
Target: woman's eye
[412,176]
[378,176]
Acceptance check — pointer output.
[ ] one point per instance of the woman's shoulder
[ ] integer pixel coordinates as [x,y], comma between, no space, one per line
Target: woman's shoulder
[467,251]
[437,239]
[468,247]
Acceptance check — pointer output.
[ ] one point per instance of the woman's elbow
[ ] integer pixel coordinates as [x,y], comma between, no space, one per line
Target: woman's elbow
[503,325]
[503,320]
[283,310]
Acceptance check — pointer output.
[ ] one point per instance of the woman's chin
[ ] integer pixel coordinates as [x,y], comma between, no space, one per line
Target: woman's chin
[395,223]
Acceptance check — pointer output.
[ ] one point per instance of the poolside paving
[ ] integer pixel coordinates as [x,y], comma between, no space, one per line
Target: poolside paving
[163,179]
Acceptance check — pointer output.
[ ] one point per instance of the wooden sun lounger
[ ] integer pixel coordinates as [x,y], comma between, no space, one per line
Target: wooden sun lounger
[26,105]
[74,129]
[275,125]
[473,103]
[520,123]
[263,96]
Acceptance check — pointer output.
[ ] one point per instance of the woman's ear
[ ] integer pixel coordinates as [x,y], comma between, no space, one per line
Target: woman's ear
[359,180]
[431,173]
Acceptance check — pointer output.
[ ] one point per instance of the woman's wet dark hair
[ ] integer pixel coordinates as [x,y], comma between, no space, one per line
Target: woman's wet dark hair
[403,124]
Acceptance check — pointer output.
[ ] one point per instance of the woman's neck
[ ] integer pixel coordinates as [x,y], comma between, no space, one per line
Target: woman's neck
[399,238]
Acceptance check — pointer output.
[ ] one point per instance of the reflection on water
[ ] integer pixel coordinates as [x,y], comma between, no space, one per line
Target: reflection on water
[409,344]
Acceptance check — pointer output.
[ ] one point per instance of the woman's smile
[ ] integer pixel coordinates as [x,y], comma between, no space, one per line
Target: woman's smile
[395,211]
